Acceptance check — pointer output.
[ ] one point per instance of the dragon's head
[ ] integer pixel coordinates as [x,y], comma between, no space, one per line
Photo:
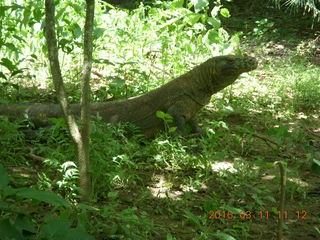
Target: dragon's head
[224,70]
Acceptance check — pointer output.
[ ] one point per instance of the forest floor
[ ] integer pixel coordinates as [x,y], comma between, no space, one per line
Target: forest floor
[222,185]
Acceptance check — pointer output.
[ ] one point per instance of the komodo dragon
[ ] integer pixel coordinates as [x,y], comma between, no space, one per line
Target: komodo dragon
[182,98]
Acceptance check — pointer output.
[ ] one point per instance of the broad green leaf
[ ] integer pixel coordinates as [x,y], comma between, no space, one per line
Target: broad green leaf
[4,205]
[19,38]
[119,81]
[224,236]
[47,197]
[235,41]
[8,64]
[160,114]
[60,12]
[12,47]
[78,234]
[225,12]
[257,199]
[170,22]
[193,19]
[192,218]
[234,210]
[271,199]
[34,56]
[199,5]
[55,229]
[98,32]
[172,129]
[26,15]
[16,72]
[164,116]
[215,11]
[76,30]
[38,14]
[113,195]
[59,122]
[8,231]
[3,76]
[77,7]
[23,223]
[170,237]
[177,3]
[214,22]
[212,36]
[4,178]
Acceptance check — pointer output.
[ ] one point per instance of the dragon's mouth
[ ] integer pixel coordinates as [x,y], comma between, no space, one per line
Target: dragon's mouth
[249,64]
[240,64]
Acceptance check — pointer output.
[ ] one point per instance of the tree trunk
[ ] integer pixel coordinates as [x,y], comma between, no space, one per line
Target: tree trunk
[81,139]
[84,158]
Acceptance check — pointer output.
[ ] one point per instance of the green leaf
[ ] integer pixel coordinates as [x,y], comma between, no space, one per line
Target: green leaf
[113,195]
[170,237]
[4,178]
[193,19]
[47,197]
[172,129]
[160,114]
[98,32]
[192,218]
[38,14]
[257,199]
[4,205]
[59,122]
[7,231]
[224,236]
[26,15]
[315,167]
[177,3]
[16,72]
[55,229]
[76,30]
[8,64]
[212,36]
[12,47]
[3,76]
[119,81]
[215,11]
[34,56]
[60,12]
[199,5]
[164,116]
[77,7]
[19,38]
[23,223]
[214,22]
[78,234]
[225,12]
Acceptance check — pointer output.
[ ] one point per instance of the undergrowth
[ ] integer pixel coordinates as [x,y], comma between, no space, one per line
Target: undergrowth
[221,185]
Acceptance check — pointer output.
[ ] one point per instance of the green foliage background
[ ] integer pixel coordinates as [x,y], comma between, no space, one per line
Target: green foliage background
[161,188]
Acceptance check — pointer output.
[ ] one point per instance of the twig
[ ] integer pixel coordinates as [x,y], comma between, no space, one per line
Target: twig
[266,140]
[282,199]
[162,70]
[35,157]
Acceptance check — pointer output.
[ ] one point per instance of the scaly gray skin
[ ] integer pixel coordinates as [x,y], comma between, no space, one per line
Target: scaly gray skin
[182,98]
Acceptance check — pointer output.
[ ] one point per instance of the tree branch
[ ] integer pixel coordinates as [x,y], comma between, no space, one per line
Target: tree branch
[56,71]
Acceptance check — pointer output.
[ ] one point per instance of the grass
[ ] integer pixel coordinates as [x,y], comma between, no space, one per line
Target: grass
[167,187]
